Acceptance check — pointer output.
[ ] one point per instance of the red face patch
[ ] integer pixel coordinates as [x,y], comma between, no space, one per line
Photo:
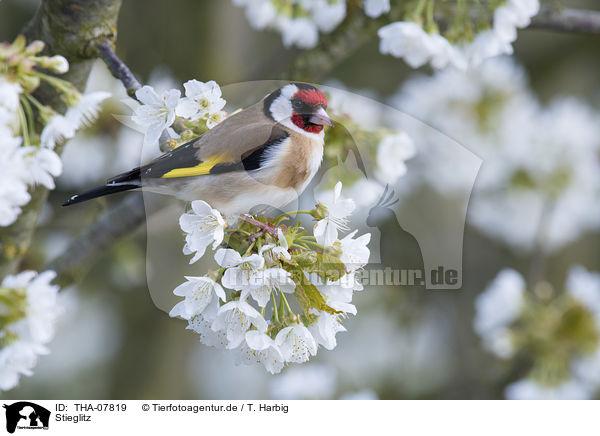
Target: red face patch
[311,97]
[298,120]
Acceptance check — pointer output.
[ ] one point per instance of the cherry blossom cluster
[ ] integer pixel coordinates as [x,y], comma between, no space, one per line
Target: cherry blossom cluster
[472,30]
[298,21]
[466,42]
[28,157]
[182,118]
[277,293]
[28,310]
[554,336]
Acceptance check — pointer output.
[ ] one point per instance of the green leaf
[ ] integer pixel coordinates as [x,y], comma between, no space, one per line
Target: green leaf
[305,259]
[327,266]
[237,241]
[307,294]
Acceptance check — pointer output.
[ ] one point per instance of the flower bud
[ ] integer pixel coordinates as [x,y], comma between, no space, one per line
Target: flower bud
[59,64]
[29,82]
[34,48]
[319,212]
[188,135]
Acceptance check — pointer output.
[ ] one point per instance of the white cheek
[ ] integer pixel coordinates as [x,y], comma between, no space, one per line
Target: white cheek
[281,109]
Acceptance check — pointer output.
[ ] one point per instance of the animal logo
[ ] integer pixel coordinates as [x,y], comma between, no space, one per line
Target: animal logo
[398,248]
[25,414]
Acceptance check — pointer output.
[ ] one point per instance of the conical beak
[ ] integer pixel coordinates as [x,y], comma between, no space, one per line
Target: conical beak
[321,118]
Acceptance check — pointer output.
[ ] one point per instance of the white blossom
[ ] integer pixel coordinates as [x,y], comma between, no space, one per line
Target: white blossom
[527,389]
[201,324]
[299,26]
[512,15]
[498,40]
[408,40]
[16,359]
[327,15]
[392,152]
[267,281]
[355,252]
[10,93]
[235,318]
[13,188]
[375,8]
[242,273]
[33,331]
[201,99]
[260,13]
[496,308]
[156,112]
[325,328]
[501,302]
[587,369]
[272,253]
[62,127]
[57,129]
[204,226]
[365,394]
[215,118]
[13,195]
[585,287]
[296,343]
[336,218]
[300,32]
[42,165]
[198,293]
[260,348]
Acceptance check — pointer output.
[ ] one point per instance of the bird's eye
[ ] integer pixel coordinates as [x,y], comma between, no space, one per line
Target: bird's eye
[297,103]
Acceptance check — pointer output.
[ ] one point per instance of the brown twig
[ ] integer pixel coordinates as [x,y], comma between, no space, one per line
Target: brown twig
[118,68]
[567,20]
[265,227]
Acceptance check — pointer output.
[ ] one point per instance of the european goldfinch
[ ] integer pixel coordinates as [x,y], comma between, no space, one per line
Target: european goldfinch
[263,156]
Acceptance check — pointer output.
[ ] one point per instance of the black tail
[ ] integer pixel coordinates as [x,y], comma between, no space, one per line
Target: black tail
[99,192]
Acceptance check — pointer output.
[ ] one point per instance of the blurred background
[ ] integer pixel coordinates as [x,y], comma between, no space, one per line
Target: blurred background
[113,343]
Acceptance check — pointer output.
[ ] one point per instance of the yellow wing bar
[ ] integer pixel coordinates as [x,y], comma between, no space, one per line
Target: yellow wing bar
[202,168]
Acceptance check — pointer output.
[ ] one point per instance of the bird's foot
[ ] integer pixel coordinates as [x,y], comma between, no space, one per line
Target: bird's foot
[264,227]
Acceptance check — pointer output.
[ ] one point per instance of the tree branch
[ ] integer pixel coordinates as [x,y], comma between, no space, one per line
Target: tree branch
[356,30]
[118,69]
[84,251]
[73,29]
[115,223]
[567,20]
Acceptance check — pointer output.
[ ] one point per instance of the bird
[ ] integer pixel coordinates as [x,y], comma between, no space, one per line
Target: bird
[261,157]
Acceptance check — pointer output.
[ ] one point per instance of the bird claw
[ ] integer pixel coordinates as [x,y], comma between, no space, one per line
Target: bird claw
[264,227]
